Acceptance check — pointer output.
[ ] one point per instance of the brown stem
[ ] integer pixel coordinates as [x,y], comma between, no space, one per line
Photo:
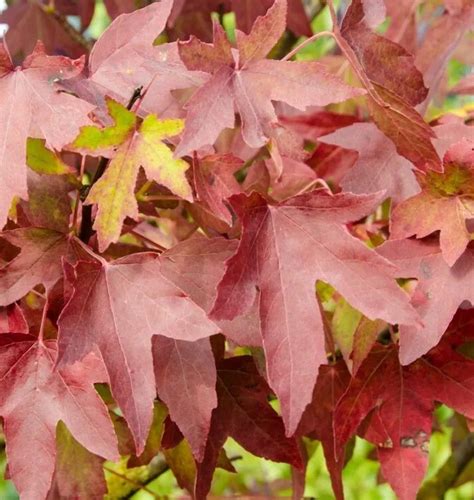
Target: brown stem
[139,486]
[155,470]
[70,30]
[307,42]
[86,225]
[447,475]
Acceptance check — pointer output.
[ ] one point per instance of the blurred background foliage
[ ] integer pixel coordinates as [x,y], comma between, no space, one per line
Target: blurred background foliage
[259,477]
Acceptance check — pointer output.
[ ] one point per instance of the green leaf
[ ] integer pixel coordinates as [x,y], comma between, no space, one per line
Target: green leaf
[93,138]
[42,160]
[134,145]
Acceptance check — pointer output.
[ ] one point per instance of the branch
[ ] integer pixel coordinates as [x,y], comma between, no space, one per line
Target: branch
[450,471]
[157,467]
[76,35]
[86,225]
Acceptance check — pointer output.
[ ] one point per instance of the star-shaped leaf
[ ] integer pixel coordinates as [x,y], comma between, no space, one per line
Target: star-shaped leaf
[401,399]
[131,143]
[243,80]
[445,203]
[117,308]
[35,396]
[31,106]
[284,250]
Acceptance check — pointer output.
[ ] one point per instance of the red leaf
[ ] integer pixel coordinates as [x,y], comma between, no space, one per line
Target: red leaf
[394,83]
[441,40]
[378,167]
[34,397]
[185,376]
[12,320]
[214,182]
[117,308]
[29,22]
[249,83]
[444,205]
[196,266]
[284,249]
[318,419]
[244,414]
[124,59]
[402,399]
[39,262]
[30,105]
[247,11]
[440,291]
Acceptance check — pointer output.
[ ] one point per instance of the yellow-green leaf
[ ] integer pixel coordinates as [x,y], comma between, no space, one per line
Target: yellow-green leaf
[42,160]
[93,138]
[114,193]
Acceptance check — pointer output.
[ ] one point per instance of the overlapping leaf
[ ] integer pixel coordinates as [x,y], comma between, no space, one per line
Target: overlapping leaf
[378,167]
[283,251]
[393,82]
[445,203]
[134,144]
[243,413]
[318,419]
[124,59]
[116,308]
[35,397]
[39,261]
[30,105]
[400,401]
[440,291]
[245,82]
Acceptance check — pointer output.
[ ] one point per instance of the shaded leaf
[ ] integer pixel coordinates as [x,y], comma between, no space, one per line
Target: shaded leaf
[276,240]
[95,318]
[35,397]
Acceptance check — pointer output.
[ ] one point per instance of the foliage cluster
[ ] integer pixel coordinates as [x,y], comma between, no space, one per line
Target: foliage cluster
[220,226]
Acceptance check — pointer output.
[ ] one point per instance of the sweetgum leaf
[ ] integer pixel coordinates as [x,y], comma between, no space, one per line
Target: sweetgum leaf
[196,266]
[12,319]
[244,81]
[134,145]
[214,182]
[29,22]
[78,473]
[39,262]
[378,167]
[30,105]
[441,289]
[116,308]
[284,250]
[247,11]
[402,399]
[42,160]
[440,41]
[243,413]
[394,83]
[49,201]
[124,59]
[185,377]
[318,419]
[445,203]
[34,397]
